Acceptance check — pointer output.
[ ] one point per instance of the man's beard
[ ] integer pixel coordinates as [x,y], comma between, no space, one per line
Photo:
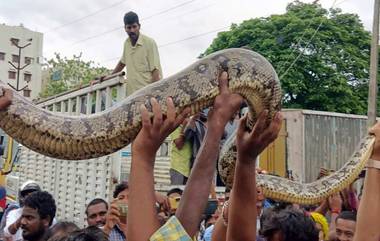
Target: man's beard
[34,236]
[133,36]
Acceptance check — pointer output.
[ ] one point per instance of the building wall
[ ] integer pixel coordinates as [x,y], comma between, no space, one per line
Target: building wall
[318,139]
[33,51]
[294,143]
[330,140]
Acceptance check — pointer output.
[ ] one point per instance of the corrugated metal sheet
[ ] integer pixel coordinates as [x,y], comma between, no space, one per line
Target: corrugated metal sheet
[329,140]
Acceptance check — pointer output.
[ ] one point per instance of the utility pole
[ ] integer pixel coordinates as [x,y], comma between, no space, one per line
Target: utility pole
[18,68]
[372,93]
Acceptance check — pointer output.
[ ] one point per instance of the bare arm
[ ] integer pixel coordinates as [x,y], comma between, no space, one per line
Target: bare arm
[367,226]
[220,231]
[332,226]
[156,75]
[323,207]
[142,214]
[195,196]
[5,99]
[335,204]
[119,67]
[242,224]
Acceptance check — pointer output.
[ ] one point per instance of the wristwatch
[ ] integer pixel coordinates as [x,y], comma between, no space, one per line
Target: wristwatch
[371,163]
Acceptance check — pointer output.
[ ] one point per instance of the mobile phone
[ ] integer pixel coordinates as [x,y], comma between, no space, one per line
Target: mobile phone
[123,210]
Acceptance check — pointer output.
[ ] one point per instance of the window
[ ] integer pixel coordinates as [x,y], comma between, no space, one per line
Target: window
[11,74]
[58,107]
[83,104]
[27,77]
[2,56]
[15,58]
[27,92]
[28,60]
[15,41]
[66,106]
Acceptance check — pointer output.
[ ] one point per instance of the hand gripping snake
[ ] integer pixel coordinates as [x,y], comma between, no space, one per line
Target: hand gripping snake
[250,75]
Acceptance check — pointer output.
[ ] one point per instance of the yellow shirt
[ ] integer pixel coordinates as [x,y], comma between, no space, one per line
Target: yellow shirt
[180,159]
[140,61]
[171,231]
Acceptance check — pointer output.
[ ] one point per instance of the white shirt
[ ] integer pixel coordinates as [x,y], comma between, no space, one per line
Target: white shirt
[12,217]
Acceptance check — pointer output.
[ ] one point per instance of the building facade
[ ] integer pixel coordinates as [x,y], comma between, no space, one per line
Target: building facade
[12,37]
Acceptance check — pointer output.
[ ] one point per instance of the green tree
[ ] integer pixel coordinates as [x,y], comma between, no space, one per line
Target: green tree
[320,55]
[65,74]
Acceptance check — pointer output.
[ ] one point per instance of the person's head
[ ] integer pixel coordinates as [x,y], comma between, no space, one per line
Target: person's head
[61,229]
[288,225]
[96,212]
[174,193]
[259,200]
[27,188]
[87,234]
[321,224]
[174,197]
[132,25]
[345,226]
[121,191]
[37,215]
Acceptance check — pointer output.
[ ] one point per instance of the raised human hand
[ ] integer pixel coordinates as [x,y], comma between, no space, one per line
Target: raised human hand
[5,98]
[251,143]
[155,130]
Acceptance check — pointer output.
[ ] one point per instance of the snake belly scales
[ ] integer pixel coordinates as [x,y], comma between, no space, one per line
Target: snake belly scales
[91,136]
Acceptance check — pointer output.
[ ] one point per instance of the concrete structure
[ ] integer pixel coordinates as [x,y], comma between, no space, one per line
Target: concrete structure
[31,74]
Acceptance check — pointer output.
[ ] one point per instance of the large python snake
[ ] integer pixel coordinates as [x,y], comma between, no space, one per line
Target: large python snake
[250,75]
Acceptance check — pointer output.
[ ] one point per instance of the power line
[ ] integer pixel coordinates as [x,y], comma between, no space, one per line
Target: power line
[300,54]
[143,19]
[178,41]
[312,37]
[168,10]
[192,37]
[84,17]
[190,12]
[187,13]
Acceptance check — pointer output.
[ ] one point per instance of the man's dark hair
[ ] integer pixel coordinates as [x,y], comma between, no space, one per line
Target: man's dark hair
[174,190]
[87,234]
[61,229]
[94,202]
[131,18]
[43,202]
[347,215]
[119,188]
[293,224]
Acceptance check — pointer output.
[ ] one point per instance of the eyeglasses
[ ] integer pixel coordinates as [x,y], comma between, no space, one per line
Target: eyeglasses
[130,27]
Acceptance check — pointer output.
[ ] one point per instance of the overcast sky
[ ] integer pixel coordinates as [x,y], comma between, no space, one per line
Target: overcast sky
[182,28]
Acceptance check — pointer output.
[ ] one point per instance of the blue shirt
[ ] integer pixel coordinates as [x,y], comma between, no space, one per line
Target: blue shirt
[117,235]
[208,233]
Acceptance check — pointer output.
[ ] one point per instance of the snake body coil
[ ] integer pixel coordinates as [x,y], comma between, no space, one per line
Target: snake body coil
[85,137]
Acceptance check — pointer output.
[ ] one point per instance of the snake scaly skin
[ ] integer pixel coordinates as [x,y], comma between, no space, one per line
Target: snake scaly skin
[250,75]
